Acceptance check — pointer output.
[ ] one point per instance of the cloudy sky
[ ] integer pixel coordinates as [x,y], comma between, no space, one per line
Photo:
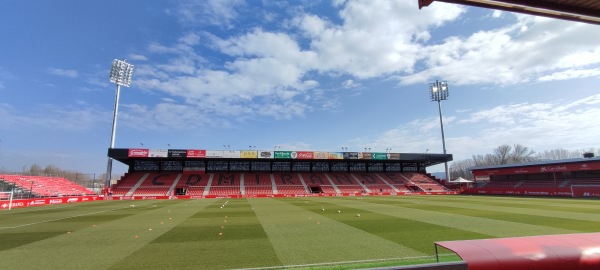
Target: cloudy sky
[302,75]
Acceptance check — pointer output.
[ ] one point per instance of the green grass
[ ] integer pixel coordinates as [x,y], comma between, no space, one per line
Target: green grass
[273,233]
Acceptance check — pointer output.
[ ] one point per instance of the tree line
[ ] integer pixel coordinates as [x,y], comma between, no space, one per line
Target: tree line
[512,154]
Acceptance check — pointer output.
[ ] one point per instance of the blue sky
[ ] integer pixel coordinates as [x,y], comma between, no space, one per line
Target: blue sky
[303,75]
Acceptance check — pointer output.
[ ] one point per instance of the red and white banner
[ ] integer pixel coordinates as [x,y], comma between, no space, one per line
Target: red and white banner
[4,205]
[137,152]
[196,153]
[305,155]
[524,191]
[548,168]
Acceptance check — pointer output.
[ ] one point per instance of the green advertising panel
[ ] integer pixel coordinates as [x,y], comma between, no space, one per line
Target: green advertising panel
[379,156]
[282,154]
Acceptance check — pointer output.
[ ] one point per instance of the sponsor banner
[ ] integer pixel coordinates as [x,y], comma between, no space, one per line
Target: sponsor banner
[565,167]
[174,153]
[526,191]
[160,197]
[282,154]
[214,153]
[15,204]
[365,155]
[231,154]
[586,191]
[393,156]
[350,155]
[248,154]
[138,152]
[336,155]
[305,155]
[196,153]
[4,205]
[56,201]
[38,202]
[158,153]
[265,154]
[482,178]
[379,156]
[321,155]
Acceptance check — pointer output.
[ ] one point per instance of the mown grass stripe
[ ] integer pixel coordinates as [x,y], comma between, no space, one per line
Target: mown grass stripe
[496,228]
[530,210]
[189,240]
[565,205]
[196,243]
[40,227]
[300,236]
[555,222]
[23,216]
[396,229]
[100,246]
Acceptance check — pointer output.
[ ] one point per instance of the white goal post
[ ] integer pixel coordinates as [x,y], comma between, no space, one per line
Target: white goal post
[6,199]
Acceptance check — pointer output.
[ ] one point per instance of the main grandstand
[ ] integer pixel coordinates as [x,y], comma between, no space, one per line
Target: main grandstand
[251,173]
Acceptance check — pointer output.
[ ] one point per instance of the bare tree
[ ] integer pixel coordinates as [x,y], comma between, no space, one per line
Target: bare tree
[515,154]
[502,154]
[461,168]
[522,154]
[560,153]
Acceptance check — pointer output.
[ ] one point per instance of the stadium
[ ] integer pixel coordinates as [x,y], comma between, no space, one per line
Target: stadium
[178,208]
[304,209]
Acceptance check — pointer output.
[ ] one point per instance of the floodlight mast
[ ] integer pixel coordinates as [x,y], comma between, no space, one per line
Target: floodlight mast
[439,91]
[120,74]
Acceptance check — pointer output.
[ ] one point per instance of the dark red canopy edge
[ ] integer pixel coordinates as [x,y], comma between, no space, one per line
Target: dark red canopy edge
[565,251]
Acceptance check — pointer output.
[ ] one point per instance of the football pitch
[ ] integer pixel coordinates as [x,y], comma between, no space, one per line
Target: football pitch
[268,233]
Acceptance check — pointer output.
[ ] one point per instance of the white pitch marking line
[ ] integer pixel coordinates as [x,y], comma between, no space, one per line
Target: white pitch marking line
[336,263]
[88,214]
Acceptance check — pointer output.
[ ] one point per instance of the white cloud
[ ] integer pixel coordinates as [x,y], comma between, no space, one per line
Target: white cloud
[571,74]
[53,117]
[137,57]
[540,126]
[350,84]
[414,137]
[190,39]
[530,49]
[5,76]
[215,12]
[256,70]
[63,72]
[376,38]
[268,74]
[263,79]
[168,116]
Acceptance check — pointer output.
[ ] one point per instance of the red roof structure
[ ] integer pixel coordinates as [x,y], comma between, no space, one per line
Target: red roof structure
[566,251]
[587,11]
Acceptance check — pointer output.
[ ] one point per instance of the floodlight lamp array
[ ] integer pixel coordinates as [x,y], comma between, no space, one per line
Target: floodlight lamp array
[121,72]
[439,91]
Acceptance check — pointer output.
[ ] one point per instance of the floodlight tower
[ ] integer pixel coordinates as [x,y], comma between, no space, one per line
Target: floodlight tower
[439,91]
[120,74]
